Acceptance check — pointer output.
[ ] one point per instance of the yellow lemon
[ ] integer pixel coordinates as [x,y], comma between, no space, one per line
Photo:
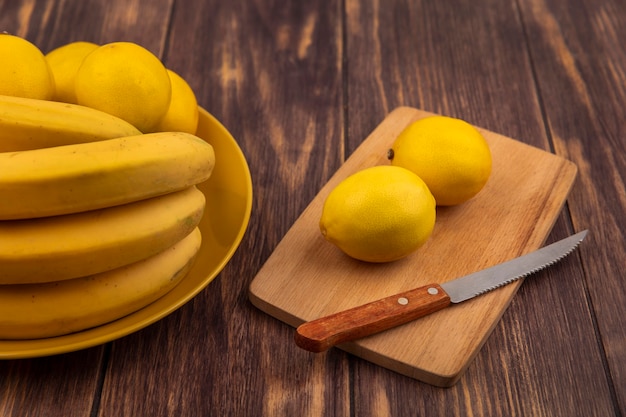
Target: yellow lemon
[64,62]
[24,71]
[126,80]
[182,114]
[449,154]
[379,214]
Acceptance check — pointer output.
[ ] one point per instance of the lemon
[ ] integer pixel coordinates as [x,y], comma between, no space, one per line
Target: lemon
[126,80]
[449,154]
[182,114]
[64,62]
[24,71]
[379,214]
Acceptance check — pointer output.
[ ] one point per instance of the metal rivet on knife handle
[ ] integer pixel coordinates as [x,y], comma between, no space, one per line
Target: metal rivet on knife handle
[355,323]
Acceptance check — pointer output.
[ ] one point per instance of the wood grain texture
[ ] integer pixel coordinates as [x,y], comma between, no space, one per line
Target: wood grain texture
[300,85]
[62,385]
[50,24]
[585,69]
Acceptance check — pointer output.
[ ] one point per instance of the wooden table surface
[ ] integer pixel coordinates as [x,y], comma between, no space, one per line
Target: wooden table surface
[300,84]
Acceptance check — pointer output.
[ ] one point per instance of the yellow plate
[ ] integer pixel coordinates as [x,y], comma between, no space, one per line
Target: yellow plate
[229,203]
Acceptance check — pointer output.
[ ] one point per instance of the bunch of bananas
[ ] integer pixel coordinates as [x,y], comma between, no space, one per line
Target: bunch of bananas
[97,220]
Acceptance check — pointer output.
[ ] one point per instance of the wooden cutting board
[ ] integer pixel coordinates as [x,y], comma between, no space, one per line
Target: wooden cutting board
[306,277]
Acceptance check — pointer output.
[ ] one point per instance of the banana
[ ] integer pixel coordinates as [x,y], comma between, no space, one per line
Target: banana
[27,123]
[32,311]
[75,178]
[75,245]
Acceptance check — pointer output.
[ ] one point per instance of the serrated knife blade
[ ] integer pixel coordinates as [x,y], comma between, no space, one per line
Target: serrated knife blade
[374,317]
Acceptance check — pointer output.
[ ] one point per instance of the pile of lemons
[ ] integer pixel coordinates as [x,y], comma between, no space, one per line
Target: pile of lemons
[120,78]
[386,212]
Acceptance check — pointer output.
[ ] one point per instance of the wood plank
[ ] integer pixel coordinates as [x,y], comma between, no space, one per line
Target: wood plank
[50,24]
[271,73]
[61,385]
[454,58]
[471,61]
[578,61]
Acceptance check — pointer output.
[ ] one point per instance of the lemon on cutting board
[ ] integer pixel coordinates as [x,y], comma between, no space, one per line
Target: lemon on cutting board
[379,214]
[449,154]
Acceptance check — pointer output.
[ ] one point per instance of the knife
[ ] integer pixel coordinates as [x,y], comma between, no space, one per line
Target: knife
[377,316]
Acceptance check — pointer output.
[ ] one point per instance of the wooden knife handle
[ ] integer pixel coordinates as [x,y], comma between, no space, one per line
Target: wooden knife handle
[323,333]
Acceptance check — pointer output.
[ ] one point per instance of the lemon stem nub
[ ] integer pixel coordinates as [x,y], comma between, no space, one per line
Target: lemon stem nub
[390,154]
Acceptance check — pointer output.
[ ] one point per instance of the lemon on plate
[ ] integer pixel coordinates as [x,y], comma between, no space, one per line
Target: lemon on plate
[182,114]
[449,154]
[24,71]
[126,80]
[64,62]
[379,214]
